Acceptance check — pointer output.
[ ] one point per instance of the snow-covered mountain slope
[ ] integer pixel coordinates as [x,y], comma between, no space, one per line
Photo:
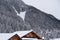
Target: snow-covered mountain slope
[34,19]
[48,6]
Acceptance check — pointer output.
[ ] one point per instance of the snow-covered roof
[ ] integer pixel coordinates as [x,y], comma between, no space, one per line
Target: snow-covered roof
[55,39]
[22,33]
[6,36]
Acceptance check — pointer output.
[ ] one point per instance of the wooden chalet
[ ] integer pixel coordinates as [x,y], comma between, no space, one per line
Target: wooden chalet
[15,37]
[31,35]
[20,35]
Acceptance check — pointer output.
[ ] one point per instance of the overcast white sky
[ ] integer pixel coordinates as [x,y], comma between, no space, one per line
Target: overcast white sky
[48,6]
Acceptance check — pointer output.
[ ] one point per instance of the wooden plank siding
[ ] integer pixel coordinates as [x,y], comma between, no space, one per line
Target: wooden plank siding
[15,37]
[31,35]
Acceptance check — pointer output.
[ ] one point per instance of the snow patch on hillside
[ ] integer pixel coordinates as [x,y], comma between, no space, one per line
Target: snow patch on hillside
[21,14]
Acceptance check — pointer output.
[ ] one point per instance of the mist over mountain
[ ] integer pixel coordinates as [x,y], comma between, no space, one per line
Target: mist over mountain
[34,19]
